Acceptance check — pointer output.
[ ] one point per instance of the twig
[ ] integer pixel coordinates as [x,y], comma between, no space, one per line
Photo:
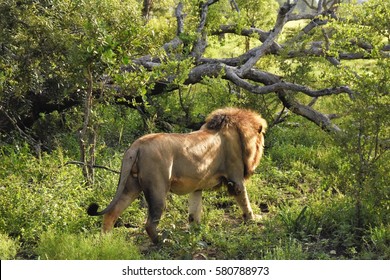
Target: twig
[91,166]
[234,5]
[179,18]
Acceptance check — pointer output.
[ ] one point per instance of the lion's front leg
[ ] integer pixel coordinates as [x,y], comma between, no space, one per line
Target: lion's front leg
[195,207]
[243,201]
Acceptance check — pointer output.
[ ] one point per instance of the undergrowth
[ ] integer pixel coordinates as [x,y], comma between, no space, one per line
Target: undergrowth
[305,208]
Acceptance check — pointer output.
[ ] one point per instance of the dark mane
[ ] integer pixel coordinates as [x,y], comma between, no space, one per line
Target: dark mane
[249,125]
[217,122]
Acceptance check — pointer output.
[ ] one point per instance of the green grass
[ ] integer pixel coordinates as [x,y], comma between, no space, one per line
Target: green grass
[299,191]
[65,246]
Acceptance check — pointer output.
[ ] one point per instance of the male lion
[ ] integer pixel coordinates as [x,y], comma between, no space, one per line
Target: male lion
[226,150]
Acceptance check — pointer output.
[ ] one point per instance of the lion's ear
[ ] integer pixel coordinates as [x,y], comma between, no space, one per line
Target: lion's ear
[262,126]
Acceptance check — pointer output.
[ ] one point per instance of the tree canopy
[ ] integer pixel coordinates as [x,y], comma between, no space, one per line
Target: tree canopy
[52,51]
[80,80]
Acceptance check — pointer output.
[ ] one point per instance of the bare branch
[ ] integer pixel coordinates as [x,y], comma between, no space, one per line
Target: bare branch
[319,7]
[91,166]
[248,78]
[179,18]
[288,100]
[316,21]
[284,11]
[263,35]
[203,16]
[199,72]
[281,85]
[322,120]
[234,5]
[312,102]
[233,29]
[201,43]
[310,5]
[318,49]
[176,42]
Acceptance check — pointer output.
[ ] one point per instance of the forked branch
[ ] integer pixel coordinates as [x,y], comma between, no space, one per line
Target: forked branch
[284,11]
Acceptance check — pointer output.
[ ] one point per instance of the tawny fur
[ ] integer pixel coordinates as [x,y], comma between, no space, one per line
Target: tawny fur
[226,150]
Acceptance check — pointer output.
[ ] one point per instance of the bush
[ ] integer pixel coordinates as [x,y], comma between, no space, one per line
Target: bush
[377,243]
[8,247]
[36,194]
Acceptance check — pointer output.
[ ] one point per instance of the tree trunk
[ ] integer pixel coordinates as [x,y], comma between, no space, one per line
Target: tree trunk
[147,8]
[87,135]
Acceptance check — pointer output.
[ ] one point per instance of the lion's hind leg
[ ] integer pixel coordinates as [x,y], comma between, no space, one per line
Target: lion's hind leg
[130,193]
[156,205]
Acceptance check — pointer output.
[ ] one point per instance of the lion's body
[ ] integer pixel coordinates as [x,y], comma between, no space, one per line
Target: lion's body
[227,149]
[189,162]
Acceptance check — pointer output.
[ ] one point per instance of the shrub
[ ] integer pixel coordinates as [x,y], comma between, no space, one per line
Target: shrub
[8,247]
[36,194]
[377,243]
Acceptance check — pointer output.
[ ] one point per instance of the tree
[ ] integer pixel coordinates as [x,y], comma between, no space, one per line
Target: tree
[53,57]
[241,70]
[297,66]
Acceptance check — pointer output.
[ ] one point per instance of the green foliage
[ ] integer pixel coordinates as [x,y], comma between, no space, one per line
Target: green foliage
[377,243]
[52,50]
[370,16]
[65,246]
[259,13]
[8,247]
[365,146]
[36,195]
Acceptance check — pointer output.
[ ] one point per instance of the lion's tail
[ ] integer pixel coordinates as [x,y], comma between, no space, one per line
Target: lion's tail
[92,209]
[129,159]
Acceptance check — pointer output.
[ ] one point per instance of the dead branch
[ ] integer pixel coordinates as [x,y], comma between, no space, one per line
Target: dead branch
[90,166]
[200,44]
[232,75]
[284,11]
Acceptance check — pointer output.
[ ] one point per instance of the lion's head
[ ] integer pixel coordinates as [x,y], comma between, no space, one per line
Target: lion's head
[250,127]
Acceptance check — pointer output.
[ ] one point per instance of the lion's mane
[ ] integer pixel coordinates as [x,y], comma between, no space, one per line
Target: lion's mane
[247,124]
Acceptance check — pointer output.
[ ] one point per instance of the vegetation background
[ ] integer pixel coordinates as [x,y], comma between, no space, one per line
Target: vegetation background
[81,80]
